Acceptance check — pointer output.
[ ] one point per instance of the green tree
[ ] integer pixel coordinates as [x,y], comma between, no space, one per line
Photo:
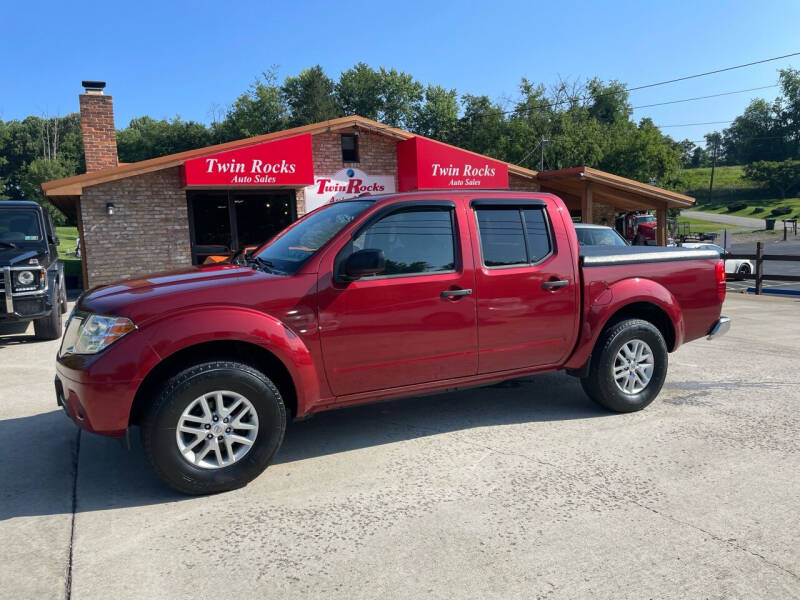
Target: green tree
[781,177]
[400,96]
[310,97]
[437,116]
[146,138]
[258,111]
[359,91]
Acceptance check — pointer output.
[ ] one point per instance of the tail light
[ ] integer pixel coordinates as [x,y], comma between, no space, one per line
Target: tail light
[720,273]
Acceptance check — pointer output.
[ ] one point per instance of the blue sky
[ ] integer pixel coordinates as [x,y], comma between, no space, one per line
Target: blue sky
[181,58]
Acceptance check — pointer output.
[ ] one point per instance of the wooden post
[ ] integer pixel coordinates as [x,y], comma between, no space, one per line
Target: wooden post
[586,204]
[759,266]
[661,225]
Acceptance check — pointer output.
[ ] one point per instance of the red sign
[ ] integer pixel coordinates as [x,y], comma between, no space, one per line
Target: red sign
[424,164]
[287,161]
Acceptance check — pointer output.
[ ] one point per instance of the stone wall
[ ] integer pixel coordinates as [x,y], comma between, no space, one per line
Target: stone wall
[148,232]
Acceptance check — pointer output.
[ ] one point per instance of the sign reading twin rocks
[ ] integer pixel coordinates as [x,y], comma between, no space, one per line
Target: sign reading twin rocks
[346,183]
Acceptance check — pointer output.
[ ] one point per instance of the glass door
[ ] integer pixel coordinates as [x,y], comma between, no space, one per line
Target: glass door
[224,222]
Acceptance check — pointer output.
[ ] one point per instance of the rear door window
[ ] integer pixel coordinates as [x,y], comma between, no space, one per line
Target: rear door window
[513,236]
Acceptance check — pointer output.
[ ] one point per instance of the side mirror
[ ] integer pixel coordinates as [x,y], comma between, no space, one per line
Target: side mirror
[365,263]
[54,240]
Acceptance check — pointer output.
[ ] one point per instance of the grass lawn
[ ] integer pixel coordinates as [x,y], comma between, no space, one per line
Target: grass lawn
[67,240]
[698,226]
[67,237]
[730,187]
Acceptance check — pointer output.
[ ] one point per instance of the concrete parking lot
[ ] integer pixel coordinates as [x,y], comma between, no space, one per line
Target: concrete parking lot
[520,490]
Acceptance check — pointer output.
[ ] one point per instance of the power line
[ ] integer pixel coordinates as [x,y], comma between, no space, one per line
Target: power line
[692,124]
[763,87]
[750,64]
[641,87]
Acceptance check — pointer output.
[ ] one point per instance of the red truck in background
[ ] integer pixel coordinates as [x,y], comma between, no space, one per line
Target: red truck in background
[638,228]
[369,299]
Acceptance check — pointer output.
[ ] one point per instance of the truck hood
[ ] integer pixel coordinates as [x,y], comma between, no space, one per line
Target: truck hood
[142,299]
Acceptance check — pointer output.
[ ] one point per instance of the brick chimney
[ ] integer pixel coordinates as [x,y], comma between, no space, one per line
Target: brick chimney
[97,125]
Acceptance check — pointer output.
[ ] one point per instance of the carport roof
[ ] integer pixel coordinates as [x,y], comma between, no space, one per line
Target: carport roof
[612,189]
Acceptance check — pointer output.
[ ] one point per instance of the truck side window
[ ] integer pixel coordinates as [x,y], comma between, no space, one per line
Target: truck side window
[513,236]
[502,237]
[418,240]
[537,234]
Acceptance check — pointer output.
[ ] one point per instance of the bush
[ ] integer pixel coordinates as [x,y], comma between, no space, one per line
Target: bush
[737,206]
[780,210]
[758,209]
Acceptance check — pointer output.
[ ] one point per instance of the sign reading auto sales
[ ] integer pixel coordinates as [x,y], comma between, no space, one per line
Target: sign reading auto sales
[287,161]
[424,164]
[347,183]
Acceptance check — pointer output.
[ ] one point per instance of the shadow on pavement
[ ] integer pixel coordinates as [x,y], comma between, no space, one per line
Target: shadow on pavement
[40,479]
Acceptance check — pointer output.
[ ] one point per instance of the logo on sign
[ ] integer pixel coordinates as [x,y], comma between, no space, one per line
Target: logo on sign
[347,183]
[255,171]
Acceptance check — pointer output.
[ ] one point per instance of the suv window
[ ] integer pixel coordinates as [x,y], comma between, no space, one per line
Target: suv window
[19,225]
[513,236]
[414,240]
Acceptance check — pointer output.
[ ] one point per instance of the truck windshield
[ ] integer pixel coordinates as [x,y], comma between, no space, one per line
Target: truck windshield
[645,219]
[290,250]
[18,226]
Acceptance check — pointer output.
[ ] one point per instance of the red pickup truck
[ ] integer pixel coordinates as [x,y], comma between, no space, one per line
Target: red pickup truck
[368,299]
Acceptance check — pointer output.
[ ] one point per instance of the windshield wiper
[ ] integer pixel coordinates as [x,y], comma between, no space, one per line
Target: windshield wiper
[8,244]
[267,265]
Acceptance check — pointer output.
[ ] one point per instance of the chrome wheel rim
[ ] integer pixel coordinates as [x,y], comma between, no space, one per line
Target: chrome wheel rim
[217,429]
[633,367]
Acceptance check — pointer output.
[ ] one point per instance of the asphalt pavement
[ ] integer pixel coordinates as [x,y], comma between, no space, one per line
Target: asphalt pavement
[520,490]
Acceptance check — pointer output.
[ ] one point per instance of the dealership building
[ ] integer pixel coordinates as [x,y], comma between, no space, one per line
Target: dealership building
[177,210]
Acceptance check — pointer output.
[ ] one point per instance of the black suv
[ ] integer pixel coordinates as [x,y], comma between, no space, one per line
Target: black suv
[31,276]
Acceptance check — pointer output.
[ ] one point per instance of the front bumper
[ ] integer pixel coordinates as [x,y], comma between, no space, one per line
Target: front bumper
[720,328]
[95,408]
[23,305]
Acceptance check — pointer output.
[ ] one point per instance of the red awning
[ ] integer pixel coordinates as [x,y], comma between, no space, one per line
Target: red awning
[286,161]
[423,164]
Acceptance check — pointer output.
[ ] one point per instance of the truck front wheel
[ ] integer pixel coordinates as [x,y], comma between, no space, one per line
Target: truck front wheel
[628,368]
[213,427]
[49,327]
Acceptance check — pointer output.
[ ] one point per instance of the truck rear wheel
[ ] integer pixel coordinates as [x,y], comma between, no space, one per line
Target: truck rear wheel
[628,368]
[49,327]
[213,427]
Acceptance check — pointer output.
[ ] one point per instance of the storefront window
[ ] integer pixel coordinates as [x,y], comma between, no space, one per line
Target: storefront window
[224,222]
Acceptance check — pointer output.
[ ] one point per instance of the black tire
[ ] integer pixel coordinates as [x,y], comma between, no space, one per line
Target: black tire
[744,271]
[49,327]
[62,299]
[600,384]
[158,428]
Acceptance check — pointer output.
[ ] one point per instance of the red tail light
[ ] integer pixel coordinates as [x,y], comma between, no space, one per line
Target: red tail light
[720,272]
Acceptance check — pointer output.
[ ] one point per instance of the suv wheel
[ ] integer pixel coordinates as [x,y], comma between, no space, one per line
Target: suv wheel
[743,272]
[49,327]
[213,427]
[628,366]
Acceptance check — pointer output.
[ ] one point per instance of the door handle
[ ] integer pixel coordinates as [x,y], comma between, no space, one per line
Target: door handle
[554,285]
[456,293]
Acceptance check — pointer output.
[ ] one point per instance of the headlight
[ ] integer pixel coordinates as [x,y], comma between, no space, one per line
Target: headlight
[97,333]
[25,278]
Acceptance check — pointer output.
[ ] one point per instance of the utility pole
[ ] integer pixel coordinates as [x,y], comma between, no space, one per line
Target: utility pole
[713,165]
[541,156]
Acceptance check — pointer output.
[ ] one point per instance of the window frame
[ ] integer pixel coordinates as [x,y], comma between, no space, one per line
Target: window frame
[356,149]
[520,206]
[387,211]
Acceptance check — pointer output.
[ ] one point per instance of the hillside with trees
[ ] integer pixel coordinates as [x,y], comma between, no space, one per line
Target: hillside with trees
[582,123]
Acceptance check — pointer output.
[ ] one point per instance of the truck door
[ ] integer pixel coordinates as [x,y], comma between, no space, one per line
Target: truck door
[413,323]
[527,289]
